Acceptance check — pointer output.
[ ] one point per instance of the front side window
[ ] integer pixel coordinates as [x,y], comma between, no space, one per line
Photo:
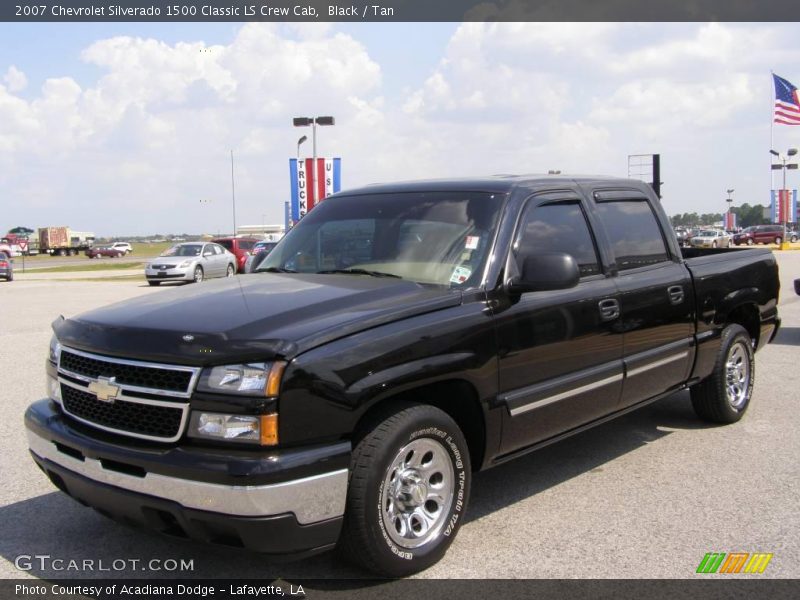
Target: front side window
[633,233]
[559,227]
[440,238]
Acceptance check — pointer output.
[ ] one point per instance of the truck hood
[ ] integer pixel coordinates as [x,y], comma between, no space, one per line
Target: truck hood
[250,317]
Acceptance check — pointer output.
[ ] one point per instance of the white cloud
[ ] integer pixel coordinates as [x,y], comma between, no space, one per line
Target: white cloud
[15,79]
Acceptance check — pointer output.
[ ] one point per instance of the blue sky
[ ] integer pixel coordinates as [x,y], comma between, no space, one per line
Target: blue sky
[121,128]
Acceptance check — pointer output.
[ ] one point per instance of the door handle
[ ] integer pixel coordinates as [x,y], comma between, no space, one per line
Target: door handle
[675,293]
[609,309]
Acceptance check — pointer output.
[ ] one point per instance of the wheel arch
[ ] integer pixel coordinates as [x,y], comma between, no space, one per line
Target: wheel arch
[458,398]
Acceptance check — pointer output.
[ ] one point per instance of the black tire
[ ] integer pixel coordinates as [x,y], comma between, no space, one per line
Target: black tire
[378,496]
[153,282]
[750,242]
[714,244]
[778,240]
[198,274]
[713,399]
[230,272]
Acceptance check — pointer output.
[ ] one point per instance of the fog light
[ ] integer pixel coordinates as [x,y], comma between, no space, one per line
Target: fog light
[53,389]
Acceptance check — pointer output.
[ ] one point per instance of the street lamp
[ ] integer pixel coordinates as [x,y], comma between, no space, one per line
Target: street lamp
[782,166]
[300,141]
[313,121]
[730,204]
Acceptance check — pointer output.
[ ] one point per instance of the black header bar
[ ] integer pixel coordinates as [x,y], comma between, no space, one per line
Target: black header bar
[397,11]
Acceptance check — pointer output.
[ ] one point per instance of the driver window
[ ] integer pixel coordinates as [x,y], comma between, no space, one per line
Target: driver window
[558,227]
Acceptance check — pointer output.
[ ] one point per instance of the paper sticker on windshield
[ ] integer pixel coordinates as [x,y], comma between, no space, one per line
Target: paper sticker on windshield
[472,242]
[460,275]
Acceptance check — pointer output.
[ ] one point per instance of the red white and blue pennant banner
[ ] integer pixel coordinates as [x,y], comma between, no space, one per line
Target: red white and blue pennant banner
[783,206]
[310,186]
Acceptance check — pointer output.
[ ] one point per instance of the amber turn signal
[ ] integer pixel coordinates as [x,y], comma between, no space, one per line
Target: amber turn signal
[269,430]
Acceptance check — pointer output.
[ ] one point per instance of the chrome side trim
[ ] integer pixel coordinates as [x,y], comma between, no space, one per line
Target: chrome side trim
[656,364]
[195,371]
[310,499]
[573,392]
[184,408]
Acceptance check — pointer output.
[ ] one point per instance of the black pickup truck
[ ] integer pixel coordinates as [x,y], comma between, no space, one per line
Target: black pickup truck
[398,339]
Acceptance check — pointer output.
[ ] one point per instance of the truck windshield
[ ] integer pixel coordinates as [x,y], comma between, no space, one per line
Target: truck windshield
[435,237]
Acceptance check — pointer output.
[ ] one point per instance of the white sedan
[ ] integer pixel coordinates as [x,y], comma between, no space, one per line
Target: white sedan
[193,261]
[711,239]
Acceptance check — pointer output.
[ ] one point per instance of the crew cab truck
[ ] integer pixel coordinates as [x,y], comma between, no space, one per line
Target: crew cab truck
[398,339]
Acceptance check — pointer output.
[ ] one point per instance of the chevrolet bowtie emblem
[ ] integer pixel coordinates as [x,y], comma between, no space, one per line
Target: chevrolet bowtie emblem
[105,388]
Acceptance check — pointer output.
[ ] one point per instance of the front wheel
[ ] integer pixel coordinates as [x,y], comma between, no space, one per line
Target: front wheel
[153,282]
[725,395]
[714,244]
[750,242]
[198,274]
[408,490]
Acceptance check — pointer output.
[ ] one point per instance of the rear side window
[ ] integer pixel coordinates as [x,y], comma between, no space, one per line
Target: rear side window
[246,245]
[633,233]
[559,227]
[227,244]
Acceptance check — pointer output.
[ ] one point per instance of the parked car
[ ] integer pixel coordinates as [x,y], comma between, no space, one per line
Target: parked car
[240,247]
[710,238]
[398,339]
[191,261]
[102,251]
[124,246]
[762,234]
[260,251]
[6,267]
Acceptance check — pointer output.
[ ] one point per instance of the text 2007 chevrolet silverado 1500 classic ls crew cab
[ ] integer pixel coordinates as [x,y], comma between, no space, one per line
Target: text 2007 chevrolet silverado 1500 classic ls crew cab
[399,338]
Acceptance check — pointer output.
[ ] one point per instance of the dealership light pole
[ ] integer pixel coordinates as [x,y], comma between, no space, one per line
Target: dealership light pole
[300,141]
[730,205]
[233,197]
[313,121]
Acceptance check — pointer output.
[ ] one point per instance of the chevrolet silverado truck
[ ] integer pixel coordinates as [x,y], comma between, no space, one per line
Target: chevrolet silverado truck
[398,339]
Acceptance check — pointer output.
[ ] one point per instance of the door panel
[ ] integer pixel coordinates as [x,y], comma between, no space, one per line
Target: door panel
[560,362]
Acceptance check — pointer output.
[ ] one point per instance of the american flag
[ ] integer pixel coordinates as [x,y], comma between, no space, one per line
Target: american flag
[787,103]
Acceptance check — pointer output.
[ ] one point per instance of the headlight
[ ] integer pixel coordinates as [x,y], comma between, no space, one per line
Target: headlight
[55,350]
[251,379]
[261,429]
[184,264]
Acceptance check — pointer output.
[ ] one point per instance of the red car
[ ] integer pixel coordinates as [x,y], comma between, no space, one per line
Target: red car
[239,247]
[104,251]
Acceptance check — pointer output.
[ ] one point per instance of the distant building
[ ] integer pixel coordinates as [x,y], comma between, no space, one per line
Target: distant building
[271,233]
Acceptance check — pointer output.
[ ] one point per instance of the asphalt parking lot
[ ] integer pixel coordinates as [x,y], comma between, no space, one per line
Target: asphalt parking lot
[645,496]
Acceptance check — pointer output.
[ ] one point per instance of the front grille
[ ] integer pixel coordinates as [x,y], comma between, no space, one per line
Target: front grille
[127,374]
[120,415]
[164,266]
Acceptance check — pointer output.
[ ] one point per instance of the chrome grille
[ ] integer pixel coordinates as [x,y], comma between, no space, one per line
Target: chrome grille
[149,400]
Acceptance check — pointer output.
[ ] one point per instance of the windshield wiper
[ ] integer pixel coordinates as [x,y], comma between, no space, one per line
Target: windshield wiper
[275,270]
[359,272]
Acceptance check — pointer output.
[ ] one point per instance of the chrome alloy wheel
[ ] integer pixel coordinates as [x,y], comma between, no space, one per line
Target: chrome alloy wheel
[417,493]
[737,375]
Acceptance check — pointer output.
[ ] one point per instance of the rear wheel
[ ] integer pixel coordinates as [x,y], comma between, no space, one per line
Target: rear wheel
[778,240]
[230,271]
[725,395]
[409,485]
[198,274]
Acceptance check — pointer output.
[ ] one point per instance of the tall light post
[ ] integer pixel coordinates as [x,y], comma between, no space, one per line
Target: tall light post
[300,141]
[233,196]
[782,166]
[730,202]
[313,121]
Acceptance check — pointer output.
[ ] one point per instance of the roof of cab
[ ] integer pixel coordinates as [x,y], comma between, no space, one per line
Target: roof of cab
[493,183]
